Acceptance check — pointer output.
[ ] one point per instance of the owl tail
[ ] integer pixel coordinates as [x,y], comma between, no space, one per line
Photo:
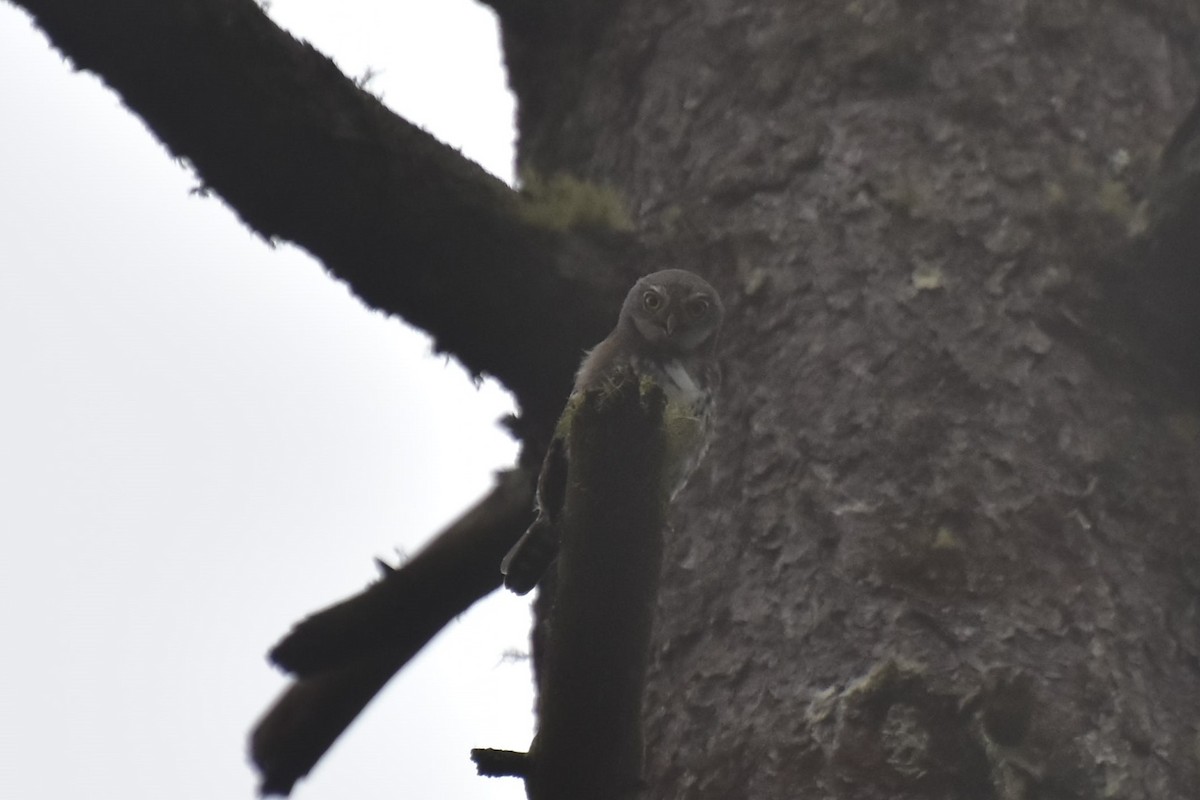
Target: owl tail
[531,556]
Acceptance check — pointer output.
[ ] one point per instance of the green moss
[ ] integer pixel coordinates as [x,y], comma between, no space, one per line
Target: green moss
[563,428]
[1086,188]
[945,539]
[927,275]
[754,280]
[563,202]
[886,679]
[1056,195]
[1113,198]
[670,218]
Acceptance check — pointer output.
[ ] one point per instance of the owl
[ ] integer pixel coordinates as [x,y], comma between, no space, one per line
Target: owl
[666,333]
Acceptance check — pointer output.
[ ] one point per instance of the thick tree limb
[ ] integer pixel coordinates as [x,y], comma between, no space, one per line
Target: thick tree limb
[303,154]
[347,653]
[589,740]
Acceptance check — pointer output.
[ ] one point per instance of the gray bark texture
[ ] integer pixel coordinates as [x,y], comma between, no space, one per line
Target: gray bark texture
[945,544]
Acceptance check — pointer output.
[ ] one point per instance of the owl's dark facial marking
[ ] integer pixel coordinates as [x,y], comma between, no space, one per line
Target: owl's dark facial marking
[696,307]
[673,310]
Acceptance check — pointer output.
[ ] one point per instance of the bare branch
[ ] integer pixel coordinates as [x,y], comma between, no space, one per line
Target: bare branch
[347,653]
[458,567]
[500,763]
[309,716]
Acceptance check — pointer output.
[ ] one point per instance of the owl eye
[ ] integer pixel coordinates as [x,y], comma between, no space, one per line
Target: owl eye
[697,307]
[652,301]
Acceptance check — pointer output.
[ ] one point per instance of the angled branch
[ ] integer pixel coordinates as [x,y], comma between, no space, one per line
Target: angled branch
[303,154]
[454,570]
[345,654]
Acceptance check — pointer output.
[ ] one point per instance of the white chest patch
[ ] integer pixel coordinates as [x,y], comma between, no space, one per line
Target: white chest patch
[681,388]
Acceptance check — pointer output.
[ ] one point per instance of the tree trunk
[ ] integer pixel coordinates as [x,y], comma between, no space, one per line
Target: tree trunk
[945,544]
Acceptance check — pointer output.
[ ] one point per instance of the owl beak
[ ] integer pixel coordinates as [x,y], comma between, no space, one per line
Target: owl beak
[669,325]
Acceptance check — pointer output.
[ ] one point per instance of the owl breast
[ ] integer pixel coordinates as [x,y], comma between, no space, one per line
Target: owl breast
[680,387]
[688,419]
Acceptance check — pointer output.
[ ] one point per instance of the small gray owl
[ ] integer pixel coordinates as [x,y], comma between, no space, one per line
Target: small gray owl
[667,332]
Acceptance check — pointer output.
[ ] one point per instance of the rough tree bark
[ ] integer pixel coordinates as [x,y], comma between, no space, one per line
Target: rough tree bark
[945,544]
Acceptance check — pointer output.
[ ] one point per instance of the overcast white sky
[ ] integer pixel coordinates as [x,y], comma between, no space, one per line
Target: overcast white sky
[202,439]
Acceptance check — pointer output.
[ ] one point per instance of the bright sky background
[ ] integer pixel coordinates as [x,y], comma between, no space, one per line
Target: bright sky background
[203,439]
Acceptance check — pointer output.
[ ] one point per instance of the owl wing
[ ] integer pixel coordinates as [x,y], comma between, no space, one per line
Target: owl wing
[537,548]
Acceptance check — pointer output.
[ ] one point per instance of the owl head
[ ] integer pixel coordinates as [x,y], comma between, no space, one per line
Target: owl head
[674,311]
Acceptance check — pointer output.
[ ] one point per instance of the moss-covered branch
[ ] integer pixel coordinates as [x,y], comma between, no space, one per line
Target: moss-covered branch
[593,659]
[303,154]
